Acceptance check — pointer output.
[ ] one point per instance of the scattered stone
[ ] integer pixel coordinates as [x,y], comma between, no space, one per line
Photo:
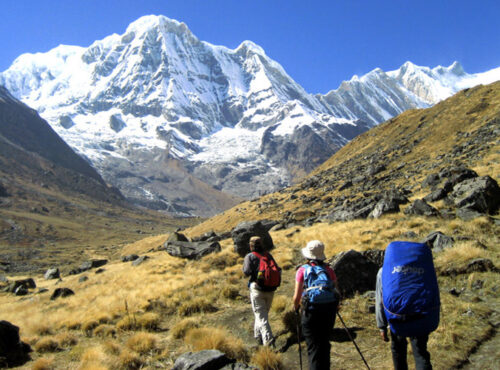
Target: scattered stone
[355,272]
[100,271]
[203,360]
[83,279]
[384,206]
[421,208]
[191,250]
[477,284]
[92,264]
[42,290]
[409,235]
[13,352]
[177,237]
[21,290]
[438,241]
[61,292]
[436,195]
[468,214]
[25,283]
[455,292]
[242,233]
[480,265]
[52,273]
[129,258]
[139,260]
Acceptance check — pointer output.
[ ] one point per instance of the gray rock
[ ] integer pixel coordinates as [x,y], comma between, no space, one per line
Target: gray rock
[438,241]
[355,272]
[52,273]
[384,206]
[421,208]
[481,194]
[13,352]
[203,360]
[139,260]
[191,250]
[177,237]
[468,214]
[242,233]
[375,255]
[436,195]
[85,266]
[129,258]
[25,283]
[61,292]
[83,279]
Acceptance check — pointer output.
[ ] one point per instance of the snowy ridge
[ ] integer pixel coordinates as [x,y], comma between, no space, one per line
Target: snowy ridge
[231,116]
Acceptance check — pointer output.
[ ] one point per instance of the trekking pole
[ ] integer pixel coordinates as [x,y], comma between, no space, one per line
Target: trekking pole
[298,338]
[352,339]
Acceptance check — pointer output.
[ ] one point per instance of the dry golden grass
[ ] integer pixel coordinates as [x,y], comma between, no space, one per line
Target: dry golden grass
[105,330]
[47,344]
[180,329]
[217,338]
[94,358]
[280,303]
[143,342]
[44,363]
[196,305]
[266,359]
[128,360]
[459,255]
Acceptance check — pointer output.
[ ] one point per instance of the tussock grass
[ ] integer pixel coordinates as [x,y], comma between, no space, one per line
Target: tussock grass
[44,363]
[280,303]
[217,338]
[105,330]
[180,329]
[459,255]
[143,342]
[266,359]
[196,305]
[128,360]
[94,358]
[47,344]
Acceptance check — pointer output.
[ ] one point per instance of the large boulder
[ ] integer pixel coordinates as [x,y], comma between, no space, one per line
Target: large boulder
[355,272]
[242,233]
[177,237]
[420,208]
[438,241]
[384,206]
[210,359]
[191,250]
[13,352]
[481,194]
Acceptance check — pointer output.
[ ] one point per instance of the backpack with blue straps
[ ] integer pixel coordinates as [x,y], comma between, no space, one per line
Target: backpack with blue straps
[410,289]
[318,287]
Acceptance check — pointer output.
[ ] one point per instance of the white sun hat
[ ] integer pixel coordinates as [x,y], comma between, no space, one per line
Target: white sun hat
[314,250]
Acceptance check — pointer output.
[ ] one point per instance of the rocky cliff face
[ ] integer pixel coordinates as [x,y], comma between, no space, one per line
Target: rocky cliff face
[232,119]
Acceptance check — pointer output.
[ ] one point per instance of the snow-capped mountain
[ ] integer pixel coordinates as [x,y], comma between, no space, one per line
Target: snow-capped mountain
[159,112]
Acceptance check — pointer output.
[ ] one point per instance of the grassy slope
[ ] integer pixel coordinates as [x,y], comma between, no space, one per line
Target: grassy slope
[139,315]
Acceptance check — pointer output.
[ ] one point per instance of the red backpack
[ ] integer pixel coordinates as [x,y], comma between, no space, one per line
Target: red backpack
[269,274]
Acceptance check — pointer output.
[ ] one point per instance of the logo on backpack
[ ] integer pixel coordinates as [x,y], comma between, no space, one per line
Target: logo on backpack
[269,274]
[318,286]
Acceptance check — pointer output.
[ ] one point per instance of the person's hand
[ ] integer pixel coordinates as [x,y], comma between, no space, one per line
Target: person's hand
[383,334]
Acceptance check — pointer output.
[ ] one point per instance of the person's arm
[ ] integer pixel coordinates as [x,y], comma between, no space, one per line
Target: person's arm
[247,265]
[297,295]
[379,308]
[299,288]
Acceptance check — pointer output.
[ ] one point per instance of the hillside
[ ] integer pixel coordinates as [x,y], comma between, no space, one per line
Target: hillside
[146,315]
[398,154]
[54,207]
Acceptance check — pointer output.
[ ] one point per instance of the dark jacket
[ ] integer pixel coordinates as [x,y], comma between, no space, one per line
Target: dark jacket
[251,266]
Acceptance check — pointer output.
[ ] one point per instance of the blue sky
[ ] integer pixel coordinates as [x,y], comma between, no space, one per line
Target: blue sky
[320,43]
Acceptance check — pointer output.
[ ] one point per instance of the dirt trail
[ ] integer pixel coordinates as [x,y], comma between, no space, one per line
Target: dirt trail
[487,355]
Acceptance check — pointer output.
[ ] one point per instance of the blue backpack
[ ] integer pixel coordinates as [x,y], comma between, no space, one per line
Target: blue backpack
[318,286]
[409,289]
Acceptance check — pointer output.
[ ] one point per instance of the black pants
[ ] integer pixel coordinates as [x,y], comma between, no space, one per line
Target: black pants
[420,353]
[317,327]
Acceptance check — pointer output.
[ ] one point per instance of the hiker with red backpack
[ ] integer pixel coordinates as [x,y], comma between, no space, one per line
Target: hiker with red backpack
[316,293]
[265,277]
[407,300]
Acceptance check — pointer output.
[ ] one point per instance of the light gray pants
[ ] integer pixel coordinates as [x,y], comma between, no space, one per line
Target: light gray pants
[261,304]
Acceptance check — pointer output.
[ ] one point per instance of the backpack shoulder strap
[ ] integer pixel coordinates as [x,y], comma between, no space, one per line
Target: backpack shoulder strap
[258,255]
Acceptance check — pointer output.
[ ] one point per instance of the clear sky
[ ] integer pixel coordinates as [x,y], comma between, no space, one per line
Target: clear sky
[320,43]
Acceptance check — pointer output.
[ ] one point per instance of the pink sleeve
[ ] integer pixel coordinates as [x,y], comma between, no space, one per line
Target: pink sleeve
[299,276]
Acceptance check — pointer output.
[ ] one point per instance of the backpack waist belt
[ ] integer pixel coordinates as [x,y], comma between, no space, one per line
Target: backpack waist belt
[317,287]
[410,316]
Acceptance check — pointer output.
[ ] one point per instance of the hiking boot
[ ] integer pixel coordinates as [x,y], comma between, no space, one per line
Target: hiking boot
[272,343]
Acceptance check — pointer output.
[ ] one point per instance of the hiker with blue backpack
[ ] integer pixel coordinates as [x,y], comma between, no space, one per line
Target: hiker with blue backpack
[407,300]
[265,277]
[316,294]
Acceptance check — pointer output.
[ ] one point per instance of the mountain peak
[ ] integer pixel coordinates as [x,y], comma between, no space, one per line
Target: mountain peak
[249,45]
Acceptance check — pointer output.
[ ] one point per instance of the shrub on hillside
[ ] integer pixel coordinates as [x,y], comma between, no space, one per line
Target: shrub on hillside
[217,338]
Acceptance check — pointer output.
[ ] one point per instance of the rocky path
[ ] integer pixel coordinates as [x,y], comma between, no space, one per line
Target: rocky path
[487,355]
